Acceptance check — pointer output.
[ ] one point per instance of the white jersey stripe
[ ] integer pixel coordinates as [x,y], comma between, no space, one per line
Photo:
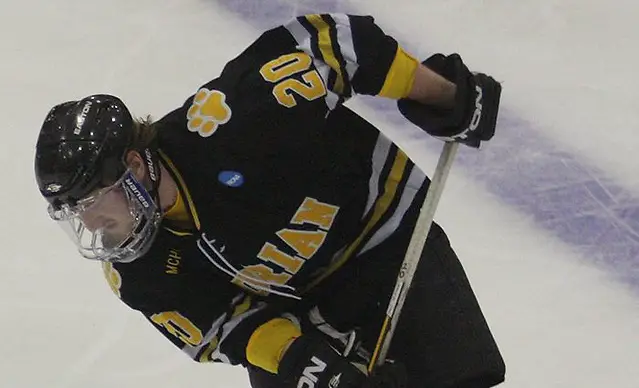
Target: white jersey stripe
[345,39]
[380,155]
[300,34]
[415,181]
[226,327]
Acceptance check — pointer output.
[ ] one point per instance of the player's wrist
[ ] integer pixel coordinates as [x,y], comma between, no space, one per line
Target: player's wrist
[430,88]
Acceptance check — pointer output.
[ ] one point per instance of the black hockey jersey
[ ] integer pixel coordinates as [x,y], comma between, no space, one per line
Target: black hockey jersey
[283,185]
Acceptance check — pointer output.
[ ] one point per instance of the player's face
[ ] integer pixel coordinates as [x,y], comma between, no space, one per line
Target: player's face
[110,213]
[114,223]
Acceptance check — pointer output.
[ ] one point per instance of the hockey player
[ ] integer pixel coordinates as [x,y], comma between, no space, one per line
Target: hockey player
[262,223]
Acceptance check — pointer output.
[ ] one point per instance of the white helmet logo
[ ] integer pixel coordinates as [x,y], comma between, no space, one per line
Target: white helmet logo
[53,187]
[83,116]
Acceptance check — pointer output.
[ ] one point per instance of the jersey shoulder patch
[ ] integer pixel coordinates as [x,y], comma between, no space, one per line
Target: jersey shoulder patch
[208,111]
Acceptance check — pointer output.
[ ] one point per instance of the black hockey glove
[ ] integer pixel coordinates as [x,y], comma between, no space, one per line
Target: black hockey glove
[310,362]
[474,115]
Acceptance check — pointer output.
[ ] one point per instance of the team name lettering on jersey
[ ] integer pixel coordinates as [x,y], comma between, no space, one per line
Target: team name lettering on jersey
[279,266]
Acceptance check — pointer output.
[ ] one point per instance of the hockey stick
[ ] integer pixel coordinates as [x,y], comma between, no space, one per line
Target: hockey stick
[409,265]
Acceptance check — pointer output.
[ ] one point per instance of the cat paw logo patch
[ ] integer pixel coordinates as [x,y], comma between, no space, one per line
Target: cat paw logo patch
[208,111]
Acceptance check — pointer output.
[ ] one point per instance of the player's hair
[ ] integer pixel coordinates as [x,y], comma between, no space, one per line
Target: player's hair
[144,133]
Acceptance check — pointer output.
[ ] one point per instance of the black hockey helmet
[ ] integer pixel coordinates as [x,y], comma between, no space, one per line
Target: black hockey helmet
[81,147]
[80,169]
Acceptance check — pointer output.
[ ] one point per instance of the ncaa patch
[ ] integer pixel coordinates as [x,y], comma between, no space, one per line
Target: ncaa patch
[231,178]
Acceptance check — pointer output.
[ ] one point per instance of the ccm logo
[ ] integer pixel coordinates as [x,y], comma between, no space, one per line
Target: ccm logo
[309,376]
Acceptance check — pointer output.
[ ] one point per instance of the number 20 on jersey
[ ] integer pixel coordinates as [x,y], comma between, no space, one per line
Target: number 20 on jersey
[280,71]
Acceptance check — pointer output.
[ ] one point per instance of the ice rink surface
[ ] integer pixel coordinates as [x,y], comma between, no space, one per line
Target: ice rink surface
[545,218]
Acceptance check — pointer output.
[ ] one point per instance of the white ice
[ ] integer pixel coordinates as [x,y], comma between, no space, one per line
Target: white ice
[569,67]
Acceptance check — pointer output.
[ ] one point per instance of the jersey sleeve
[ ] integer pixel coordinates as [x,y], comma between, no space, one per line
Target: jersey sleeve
[223,324]
[354,55]
[224,335]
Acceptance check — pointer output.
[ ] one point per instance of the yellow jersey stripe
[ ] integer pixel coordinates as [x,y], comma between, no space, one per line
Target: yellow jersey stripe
[400,77]
[178,211]
[381,206]
[189,200]
[243,307]
[206,354]
[326,47]
[178,233]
